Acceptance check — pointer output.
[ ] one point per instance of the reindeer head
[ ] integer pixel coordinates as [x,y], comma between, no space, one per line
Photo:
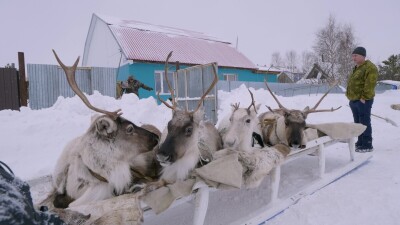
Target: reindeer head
[111,126]
[243,122]
[122,131]
[294,121]
[183,128]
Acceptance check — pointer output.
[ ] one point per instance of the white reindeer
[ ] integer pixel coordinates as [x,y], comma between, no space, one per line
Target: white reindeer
[104,161]
[237,131]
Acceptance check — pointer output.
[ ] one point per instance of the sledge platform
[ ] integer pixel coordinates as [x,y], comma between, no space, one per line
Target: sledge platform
[258,205]
[204,206]
[277,205]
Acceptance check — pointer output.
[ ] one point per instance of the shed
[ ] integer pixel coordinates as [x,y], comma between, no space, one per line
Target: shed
[315,75]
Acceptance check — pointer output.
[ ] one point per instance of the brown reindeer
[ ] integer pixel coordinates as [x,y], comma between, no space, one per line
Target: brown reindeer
[287,125]
[111,156]
[190,140]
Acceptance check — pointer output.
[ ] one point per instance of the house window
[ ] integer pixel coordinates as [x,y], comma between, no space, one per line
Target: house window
[161,83]
[230,77]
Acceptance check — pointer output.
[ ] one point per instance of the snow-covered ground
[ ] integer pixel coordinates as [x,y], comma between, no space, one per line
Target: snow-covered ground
[32,140]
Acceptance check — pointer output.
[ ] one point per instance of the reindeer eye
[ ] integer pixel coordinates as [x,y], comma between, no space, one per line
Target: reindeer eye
[130,129]
[188,131]
[248,121]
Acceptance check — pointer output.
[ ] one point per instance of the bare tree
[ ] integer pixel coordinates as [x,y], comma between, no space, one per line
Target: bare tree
[308,59]
[276,60]
[333,45]
[346,46]
[291,60]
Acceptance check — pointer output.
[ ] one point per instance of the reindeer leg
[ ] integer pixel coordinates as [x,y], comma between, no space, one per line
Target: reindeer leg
[155,185]
[94,193]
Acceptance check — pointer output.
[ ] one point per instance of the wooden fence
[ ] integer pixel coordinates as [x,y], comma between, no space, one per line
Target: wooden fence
[9,89]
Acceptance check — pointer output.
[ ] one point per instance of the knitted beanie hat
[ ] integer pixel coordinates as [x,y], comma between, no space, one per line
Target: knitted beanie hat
[360,51]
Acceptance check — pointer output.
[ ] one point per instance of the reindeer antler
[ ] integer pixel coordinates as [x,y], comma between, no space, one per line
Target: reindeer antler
[273,95]
[252,102]
[313,109]
[209,89]
[70,73]
[235,106]
[171,90]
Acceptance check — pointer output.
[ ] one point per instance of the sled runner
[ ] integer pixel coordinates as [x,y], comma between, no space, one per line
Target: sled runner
[318,146]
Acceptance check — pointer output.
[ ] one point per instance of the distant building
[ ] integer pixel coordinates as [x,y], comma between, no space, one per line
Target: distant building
[289,77]
[316,75]
[141,49]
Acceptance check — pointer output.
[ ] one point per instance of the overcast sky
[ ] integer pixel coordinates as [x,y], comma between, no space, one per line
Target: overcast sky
[263,26]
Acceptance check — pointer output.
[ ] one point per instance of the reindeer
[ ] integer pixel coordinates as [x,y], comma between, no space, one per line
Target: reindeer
[287,125]
[238,135]
[243,123]
[106,159]
[190,140]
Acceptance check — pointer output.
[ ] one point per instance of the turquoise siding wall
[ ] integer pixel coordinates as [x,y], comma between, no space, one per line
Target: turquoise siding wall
[246,75]
[144,72]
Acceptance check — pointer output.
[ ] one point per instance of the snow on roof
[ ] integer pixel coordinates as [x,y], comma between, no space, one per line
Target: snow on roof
[269,68]
[157,28]
[146,42]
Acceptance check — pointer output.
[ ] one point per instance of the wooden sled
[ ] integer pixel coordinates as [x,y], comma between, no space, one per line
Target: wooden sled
[276,205]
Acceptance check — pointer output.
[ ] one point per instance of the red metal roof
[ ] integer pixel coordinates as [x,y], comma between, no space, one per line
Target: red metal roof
[146,42]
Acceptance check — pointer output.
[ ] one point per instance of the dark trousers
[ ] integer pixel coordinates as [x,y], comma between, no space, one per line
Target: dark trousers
[362,114]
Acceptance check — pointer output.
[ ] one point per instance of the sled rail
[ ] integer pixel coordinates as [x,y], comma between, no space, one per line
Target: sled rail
[317,146]
[276,205]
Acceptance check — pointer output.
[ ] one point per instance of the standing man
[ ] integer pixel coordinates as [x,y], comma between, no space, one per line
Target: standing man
[361,91]
[132,86]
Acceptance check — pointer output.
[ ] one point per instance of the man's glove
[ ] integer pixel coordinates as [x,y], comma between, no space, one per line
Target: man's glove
[150,89]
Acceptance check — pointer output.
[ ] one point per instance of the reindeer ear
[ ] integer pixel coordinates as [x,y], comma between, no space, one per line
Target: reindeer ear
[305,112]
[105,126]
[258,106]
[94,117]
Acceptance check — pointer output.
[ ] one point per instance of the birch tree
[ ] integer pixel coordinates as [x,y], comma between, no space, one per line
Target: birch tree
[334,44]
[276,60]
[307,60]
[291,60]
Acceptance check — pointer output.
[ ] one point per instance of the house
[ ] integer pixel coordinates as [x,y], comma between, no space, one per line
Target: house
[141,49]
[316,75]
[270,73]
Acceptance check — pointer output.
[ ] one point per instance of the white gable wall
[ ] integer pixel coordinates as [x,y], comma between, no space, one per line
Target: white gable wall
[101,48]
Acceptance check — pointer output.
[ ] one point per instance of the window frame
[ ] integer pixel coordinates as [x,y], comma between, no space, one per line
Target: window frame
[162,81]
[228,76]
